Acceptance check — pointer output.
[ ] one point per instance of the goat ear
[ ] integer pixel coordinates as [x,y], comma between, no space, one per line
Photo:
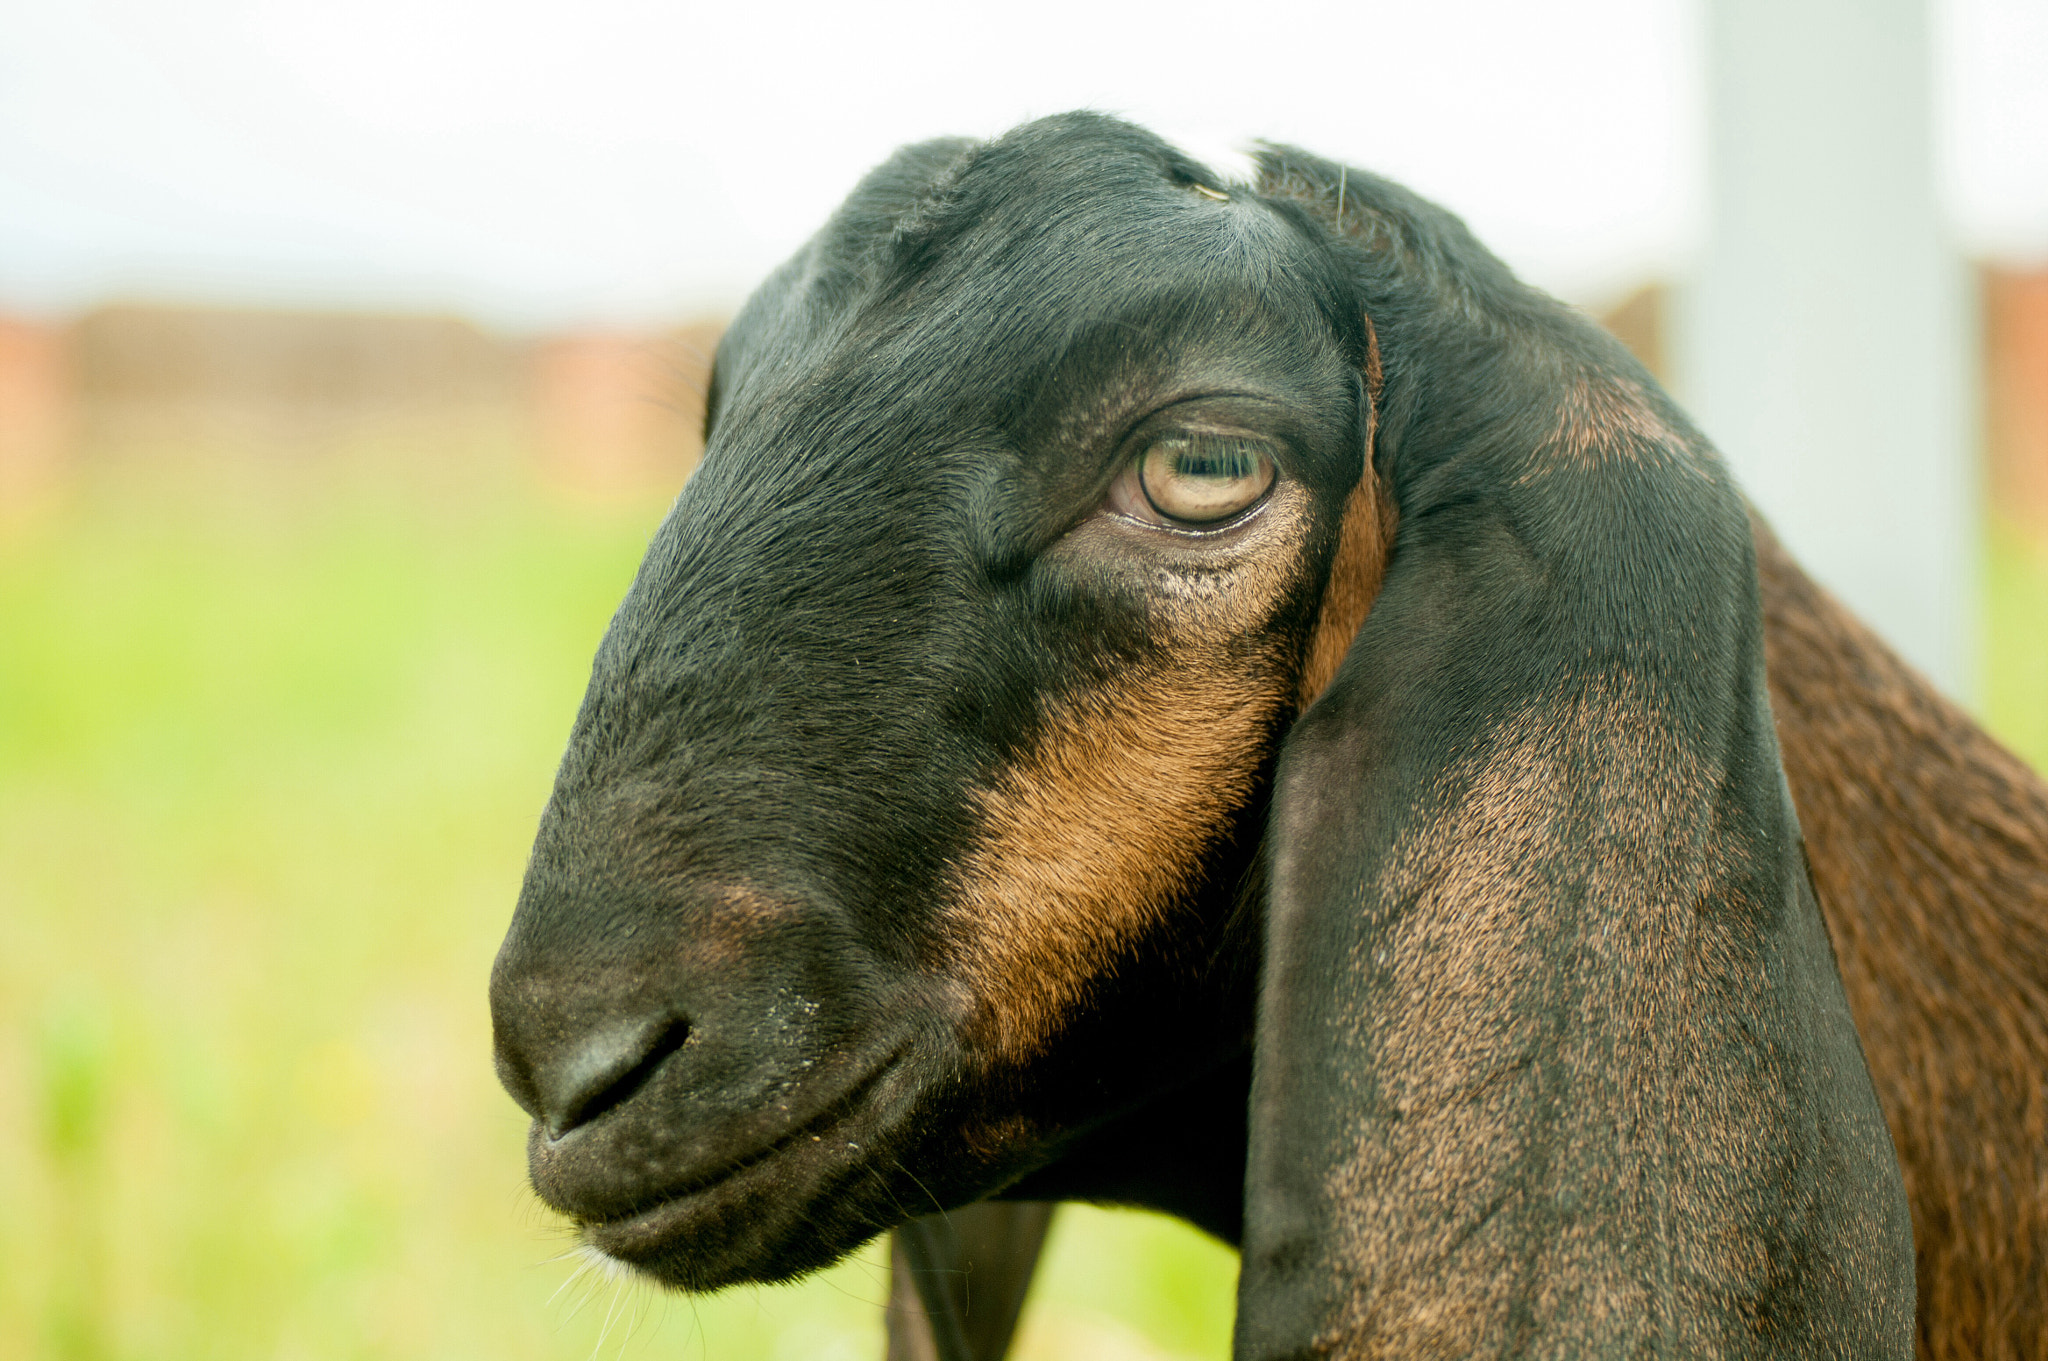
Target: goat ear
[1551,1051]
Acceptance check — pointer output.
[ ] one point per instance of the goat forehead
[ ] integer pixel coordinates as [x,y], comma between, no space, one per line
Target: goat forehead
[1127,278]
[1009,296]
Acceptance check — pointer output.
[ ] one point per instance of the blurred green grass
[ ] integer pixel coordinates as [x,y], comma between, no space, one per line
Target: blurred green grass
[2015,660]
[271,752]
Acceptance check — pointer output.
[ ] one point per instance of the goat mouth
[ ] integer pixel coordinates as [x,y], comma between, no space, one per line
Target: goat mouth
[682,1234]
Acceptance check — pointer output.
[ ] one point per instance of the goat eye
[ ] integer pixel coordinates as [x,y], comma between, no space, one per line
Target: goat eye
[1202,479]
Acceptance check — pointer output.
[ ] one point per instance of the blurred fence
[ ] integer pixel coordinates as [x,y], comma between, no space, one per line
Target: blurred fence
[2016,395]
[599,412]
[604,412]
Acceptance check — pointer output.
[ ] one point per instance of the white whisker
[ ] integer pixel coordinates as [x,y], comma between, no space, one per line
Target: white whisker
[610,1314]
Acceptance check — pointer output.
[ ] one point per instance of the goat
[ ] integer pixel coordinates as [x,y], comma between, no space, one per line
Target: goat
[1123,624]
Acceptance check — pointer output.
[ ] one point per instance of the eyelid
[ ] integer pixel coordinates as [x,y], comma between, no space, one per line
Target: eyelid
[1215,412]
[1151,433]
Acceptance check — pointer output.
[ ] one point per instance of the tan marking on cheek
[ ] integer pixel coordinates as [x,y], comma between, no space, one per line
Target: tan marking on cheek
[1091,842]
[1099,833]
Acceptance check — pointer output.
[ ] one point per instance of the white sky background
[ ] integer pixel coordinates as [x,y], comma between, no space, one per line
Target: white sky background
[620,161]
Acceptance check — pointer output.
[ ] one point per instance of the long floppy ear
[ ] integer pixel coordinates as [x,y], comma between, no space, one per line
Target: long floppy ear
[1552,1056]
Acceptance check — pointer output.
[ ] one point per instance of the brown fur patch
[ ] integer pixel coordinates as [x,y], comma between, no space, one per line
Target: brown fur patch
[1089,843]
[1489,984]
[1357,571]
[1929,846]
[1603,417]
[1375,381]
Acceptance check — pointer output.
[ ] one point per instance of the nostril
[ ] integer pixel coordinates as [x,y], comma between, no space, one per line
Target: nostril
[606,1071]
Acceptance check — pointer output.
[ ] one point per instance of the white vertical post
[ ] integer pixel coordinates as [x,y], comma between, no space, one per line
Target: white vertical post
[1825,344]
